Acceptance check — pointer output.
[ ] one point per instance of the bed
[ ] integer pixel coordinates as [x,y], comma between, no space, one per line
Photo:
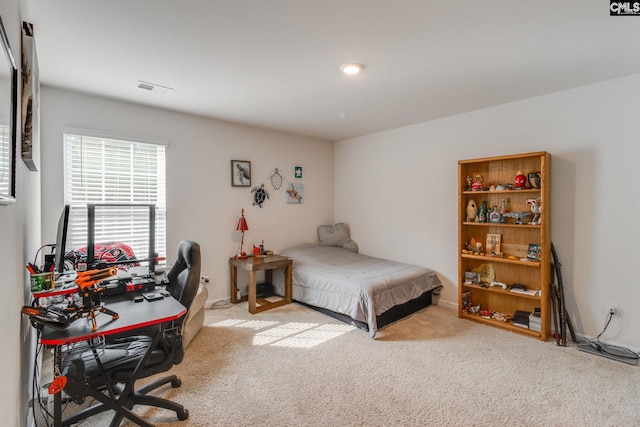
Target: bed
[368,292]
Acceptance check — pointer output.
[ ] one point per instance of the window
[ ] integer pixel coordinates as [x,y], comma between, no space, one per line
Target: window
[5,160]
[103,170]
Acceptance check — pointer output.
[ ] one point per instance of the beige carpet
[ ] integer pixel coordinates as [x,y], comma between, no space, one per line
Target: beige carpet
[292,366]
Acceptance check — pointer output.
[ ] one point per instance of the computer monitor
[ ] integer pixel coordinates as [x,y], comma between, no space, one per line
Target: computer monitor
[98,214]
[61,240]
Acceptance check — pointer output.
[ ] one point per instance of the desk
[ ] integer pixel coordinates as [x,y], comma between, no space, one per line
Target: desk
[266,264]
[132,316]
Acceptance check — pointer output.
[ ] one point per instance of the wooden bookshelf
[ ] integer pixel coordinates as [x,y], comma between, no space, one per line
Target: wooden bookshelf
[509,268]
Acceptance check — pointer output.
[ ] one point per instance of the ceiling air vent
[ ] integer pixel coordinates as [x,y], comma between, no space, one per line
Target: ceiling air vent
[154,87]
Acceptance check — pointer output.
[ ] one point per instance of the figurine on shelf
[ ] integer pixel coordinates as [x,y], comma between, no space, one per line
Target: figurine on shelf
[536,210]
[518,216]
[468,181]
[503,210]
[477,184]
[482,216]
[472,210]
[494,215]
[521,180]
[535,180]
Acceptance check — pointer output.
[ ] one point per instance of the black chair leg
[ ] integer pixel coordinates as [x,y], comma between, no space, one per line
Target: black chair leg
[85,413]
[158,402]
[173,379]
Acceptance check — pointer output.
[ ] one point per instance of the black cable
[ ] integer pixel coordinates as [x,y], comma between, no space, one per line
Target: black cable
[35,259]
[46,415]
[606,325]
[607,348]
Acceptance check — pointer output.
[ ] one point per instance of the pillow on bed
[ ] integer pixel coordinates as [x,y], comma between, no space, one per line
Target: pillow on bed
[336,235]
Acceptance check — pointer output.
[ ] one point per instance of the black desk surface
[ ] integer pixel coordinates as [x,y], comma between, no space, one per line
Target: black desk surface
[133,315]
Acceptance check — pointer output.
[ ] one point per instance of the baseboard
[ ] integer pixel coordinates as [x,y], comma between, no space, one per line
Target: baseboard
[581,338]
[447,304]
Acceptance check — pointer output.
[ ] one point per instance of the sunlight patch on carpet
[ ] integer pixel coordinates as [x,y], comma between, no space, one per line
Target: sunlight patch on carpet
[315,336]
[249,324]
[291,334]
[300,335]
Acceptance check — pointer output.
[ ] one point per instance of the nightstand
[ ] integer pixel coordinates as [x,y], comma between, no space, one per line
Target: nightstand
[266,264]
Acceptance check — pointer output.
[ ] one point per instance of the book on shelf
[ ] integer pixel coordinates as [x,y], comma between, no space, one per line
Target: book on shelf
[521,318]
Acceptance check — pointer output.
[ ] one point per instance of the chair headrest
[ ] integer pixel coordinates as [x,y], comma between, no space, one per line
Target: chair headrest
[188,252]
[184,277]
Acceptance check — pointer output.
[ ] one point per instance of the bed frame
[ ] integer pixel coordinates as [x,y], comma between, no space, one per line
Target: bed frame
[395,313]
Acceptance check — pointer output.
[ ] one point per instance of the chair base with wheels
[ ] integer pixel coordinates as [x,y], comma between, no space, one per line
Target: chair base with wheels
[86,373]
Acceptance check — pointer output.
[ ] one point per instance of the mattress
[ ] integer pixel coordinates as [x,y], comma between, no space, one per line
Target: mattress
[356,285]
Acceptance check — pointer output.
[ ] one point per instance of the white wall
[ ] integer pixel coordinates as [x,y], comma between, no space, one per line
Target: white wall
[19,241]
[201,204]
[398,191]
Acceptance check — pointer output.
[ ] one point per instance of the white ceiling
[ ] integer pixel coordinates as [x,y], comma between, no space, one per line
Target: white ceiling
[275,63]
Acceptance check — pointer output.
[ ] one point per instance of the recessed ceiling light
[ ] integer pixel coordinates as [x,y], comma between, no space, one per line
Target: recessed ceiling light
[351,68]
[154,87]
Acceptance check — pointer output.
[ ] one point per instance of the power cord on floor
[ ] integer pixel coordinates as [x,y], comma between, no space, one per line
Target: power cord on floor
[613,350]
[219,305]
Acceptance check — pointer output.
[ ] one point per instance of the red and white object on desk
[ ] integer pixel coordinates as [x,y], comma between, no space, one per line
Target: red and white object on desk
[242,227]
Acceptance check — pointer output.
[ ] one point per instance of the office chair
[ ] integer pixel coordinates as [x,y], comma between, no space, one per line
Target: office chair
[115,370]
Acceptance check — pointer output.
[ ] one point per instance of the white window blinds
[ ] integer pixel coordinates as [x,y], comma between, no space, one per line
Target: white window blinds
[5,160]
[101,170]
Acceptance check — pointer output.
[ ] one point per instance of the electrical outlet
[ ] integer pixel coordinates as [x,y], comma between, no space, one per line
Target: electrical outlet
[614,310]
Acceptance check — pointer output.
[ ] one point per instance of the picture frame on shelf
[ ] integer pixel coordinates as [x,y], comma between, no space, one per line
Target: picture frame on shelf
[472,277]
[494,242]
[240,173]
[533,253]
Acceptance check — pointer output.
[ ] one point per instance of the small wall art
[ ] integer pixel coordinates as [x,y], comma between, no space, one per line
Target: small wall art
[276,179]
[295,193]
[30,97]
[240,173]
[297,172]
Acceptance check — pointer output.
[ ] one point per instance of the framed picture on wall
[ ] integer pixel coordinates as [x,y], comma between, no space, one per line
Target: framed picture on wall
[30,96]
[240,173]
[295,192]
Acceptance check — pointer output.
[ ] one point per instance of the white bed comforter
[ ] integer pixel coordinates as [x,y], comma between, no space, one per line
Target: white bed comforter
[353,284]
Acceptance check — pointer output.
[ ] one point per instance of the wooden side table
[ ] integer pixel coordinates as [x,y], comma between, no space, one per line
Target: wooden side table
[266,264]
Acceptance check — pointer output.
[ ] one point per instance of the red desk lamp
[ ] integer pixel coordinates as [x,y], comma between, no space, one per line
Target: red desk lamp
[242,226]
